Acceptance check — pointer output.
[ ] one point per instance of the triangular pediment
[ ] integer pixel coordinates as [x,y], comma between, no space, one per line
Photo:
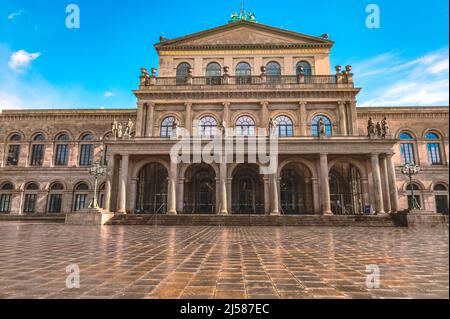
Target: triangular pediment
[244,34]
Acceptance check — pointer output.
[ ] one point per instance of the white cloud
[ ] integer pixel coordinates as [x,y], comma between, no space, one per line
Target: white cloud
[22,59]
[14,15]
[109,94]
[391,80]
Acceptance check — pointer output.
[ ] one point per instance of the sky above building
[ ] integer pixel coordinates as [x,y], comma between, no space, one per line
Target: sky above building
[44,64]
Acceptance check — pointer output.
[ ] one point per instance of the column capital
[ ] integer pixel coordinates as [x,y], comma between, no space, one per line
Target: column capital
[341,102]
[226,103]
[188,104]
[302,102]
[264,103]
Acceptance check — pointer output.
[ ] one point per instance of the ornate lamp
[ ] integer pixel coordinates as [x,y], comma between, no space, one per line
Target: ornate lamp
[409,170]
[96,170]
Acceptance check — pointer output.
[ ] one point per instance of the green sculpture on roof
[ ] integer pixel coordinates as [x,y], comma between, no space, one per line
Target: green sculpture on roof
[242,16]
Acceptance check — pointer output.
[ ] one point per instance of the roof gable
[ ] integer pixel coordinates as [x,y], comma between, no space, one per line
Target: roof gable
[244,34]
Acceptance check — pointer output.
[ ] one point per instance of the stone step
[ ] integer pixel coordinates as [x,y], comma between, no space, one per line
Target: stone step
[253,220]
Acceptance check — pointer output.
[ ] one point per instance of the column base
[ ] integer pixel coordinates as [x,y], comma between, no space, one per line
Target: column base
[172,213]
[222,213]
[330,213]
[275,214]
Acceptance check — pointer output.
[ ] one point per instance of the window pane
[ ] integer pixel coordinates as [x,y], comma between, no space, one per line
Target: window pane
[86,155]
[5,203]
[55,203]
[62,152]
[80,202]
[407,150]
[434,154]
[29,203]
[37,155]
[315,126]
[13,155]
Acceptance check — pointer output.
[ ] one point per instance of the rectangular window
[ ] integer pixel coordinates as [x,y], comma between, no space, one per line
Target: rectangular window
[86,155]
[434,154]
[5,203]
[37,155]
[55,203]
[407,153]
[62,155]
[80,202]
[29,205]
[105,155]
[13,155]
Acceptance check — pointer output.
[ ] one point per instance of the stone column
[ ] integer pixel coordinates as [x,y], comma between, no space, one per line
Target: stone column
[316,196]
[274,199]
[353,125]
[392,178]
[324,185]
[302,118]
[223,188]
[123,184]
[150,118]
[172,194]
[365,191]
[265,114]
[385,185]
[266,195]
[180,195]
[131,202]
[139,118]
[378,190]
[226,113]
[229,183]
[188,117]
[108,183]
[342,118]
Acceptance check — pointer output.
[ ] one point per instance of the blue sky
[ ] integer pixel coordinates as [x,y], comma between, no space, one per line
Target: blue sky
[43,64]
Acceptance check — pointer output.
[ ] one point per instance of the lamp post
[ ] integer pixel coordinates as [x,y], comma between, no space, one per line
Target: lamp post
[409,170]
[96,170]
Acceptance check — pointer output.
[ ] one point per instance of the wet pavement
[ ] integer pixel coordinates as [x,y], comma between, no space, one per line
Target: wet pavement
[222,262]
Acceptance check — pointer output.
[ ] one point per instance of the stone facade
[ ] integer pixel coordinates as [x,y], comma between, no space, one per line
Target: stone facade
[239,75]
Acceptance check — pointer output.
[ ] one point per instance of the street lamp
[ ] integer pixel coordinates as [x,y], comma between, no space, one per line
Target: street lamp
[96,170]
[409,170]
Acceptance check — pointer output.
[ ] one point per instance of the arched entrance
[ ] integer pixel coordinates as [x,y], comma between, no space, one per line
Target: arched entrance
[152,189]
[346,190]
[200,190]
[247,190]
[296,190]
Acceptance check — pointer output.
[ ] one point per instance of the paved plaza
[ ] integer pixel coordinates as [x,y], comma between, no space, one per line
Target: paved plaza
[219,262]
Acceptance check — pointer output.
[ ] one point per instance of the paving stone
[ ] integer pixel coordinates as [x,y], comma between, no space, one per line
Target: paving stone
[221,262]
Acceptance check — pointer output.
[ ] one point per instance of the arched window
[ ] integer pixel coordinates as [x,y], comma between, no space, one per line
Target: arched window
[407,147]
[30,198]
[13,156]
[6,197]
[37,150]
[207,126]
[182,72]
[86,150]
[243,73]
[273,71]
[81,195]
[61,150]
[434,148]
[285,126]
[55,198]
[15,138]
[315,126]
[245,126]
[167,126]
[441,198]
[304,68]
[213,73]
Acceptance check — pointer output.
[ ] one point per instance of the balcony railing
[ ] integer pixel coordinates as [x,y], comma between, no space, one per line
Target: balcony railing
[261,80]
